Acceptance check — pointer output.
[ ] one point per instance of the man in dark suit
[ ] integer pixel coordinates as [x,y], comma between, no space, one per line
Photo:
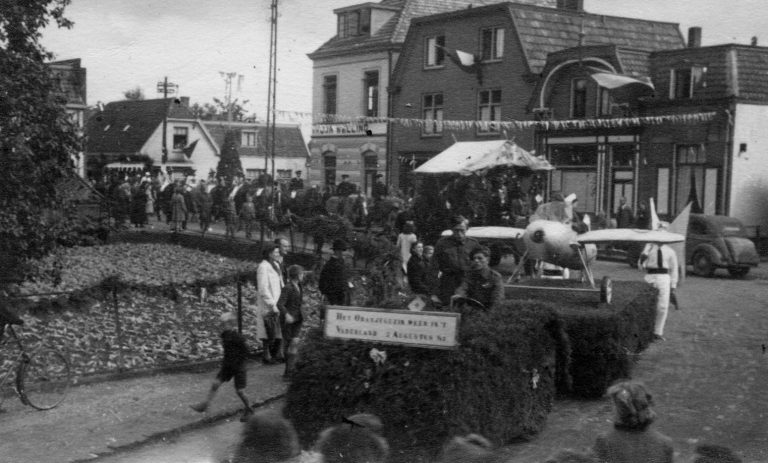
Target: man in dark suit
[345,188]
[297,183]
[379,190]
[334,280]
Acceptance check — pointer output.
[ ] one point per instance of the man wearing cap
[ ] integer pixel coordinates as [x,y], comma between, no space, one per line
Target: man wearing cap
[379,189]
[334,279]
[452,254]
[345,188]
[297,183]
[660,264]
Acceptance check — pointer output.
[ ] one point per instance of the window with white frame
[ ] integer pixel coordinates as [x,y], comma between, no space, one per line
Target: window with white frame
[433,114]
[489,111]
[683,82]
[180,137]
[492,41]
[372,93]
[249,138]
[435,51]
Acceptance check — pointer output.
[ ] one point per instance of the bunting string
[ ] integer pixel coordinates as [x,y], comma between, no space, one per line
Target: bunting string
[337,123]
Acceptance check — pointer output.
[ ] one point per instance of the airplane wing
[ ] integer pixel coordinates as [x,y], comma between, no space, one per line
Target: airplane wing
[629,234]
[484,233]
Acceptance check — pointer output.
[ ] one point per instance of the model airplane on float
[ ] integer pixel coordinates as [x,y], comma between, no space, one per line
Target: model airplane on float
[557,243]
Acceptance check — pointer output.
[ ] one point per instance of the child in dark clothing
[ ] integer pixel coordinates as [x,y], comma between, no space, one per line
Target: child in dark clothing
[232,366]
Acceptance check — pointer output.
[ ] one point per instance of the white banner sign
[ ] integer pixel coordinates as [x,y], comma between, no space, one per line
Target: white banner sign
[434,330]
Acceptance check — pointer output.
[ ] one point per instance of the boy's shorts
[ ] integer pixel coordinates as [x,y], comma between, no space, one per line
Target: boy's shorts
[226,373]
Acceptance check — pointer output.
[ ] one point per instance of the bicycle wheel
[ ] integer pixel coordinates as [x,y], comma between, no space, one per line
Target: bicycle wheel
[44,379]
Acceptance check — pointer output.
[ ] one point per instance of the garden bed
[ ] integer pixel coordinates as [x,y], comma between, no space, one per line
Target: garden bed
[135,306]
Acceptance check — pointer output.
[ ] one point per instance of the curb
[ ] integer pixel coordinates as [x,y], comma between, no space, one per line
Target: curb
[163,435]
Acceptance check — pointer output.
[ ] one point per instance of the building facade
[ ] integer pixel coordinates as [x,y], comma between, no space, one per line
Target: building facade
[510,50]
[70,77]
[163,135]
[351,80]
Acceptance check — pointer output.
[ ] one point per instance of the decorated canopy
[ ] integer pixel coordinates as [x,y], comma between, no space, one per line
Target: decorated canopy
[468,157]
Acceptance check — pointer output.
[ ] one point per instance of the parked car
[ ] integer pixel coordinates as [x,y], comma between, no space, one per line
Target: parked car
[718,241]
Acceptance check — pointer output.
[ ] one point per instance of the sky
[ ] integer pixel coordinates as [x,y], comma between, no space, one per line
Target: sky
[125,44]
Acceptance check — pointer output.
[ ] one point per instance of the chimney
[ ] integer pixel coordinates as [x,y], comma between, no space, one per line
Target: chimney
[694,37]
[571,5]
[754,41]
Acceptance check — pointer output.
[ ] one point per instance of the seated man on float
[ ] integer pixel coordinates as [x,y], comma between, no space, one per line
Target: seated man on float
[482,283]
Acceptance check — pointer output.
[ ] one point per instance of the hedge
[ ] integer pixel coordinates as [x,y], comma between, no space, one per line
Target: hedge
[604,337]
[500,382]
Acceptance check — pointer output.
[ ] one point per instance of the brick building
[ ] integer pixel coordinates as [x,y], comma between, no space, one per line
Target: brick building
[510,44]
[351,79]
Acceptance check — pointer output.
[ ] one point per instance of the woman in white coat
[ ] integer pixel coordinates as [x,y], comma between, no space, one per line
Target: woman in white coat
[270,283]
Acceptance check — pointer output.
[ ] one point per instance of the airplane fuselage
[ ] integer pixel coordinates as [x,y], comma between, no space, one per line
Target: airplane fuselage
[556,243]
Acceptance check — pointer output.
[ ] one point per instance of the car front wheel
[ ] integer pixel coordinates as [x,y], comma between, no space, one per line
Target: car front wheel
[702,264]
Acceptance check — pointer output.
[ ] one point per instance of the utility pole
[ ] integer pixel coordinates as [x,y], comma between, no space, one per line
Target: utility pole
[165,88]
[271,92]
[228,76]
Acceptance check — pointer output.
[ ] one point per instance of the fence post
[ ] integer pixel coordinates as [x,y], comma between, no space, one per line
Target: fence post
[239,304]
[119,330]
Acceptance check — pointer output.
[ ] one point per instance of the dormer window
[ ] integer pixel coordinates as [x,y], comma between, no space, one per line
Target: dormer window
[683,82]
[354,23]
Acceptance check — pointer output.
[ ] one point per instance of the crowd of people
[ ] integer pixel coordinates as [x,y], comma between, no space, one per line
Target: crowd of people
[268,437]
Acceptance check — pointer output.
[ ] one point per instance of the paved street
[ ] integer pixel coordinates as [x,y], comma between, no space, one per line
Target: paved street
[707,379]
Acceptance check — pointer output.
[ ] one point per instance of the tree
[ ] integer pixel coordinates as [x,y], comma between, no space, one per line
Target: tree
[218,111]
[38,140]
[229,163]
[134,94]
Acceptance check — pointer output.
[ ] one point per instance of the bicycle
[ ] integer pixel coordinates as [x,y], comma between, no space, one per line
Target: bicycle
[42,377]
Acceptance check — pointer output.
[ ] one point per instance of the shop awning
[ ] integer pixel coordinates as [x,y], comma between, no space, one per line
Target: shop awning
[468,157]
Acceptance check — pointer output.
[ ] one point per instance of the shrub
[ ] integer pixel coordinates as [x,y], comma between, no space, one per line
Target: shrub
[604,338]
[500,382]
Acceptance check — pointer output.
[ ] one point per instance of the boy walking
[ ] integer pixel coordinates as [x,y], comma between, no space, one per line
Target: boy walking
[232,366]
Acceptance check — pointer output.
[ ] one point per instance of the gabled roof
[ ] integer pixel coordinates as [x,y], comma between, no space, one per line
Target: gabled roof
[392,34]
[546,30]
[125,126]
[289,142]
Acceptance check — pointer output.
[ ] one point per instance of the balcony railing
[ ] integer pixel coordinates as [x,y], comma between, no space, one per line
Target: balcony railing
[353,128]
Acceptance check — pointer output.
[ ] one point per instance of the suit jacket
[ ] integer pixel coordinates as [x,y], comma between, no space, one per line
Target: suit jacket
[290,302]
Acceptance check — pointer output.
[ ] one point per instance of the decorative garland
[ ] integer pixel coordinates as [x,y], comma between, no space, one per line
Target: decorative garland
[690,118]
